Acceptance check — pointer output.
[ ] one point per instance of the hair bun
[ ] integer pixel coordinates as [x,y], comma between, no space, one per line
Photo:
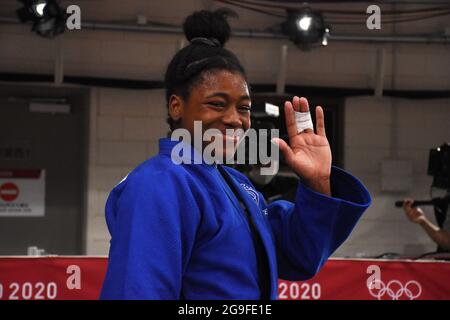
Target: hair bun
[209,24]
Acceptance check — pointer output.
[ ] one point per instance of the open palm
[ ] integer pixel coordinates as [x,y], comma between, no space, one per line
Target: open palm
[308,153]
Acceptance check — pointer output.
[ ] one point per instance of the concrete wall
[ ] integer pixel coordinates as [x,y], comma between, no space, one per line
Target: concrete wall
[125,127]
[377,129]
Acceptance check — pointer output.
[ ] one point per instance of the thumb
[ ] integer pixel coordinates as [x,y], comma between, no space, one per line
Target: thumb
[284,147]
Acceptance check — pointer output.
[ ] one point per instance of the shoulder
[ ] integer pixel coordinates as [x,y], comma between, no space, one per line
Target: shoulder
[155,185]
[155,173]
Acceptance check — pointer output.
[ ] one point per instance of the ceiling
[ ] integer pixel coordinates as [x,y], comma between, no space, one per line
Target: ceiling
[399,17]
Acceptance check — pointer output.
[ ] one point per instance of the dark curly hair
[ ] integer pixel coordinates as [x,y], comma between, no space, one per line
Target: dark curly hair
[207,32]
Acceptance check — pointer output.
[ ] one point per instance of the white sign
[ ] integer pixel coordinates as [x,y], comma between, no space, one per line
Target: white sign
[272,110]
[22,193]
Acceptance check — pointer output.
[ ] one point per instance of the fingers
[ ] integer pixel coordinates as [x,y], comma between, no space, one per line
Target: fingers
[302,106]
[291,125]
[407,203]
[284,147]
[297,105]
[409,209]
[320,122]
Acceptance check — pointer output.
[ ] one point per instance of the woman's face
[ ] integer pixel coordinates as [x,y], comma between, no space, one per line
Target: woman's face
[220,101]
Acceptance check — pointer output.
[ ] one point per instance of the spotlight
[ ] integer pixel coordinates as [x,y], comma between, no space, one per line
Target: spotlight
[304,23]
[39,8]
[47,17]
[306,28]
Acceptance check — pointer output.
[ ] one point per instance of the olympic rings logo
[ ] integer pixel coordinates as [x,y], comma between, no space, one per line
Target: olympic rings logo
[395,289]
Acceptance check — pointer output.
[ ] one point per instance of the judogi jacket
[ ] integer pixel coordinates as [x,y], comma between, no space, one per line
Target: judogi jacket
[181,231]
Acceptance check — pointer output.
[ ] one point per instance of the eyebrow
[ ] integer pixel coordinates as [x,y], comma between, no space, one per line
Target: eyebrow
[225,96]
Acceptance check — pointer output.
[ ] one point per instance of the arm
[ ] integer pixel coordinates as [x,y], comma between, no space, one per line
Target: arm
[153,224]
[416,215]
[308,232]
[328,203]
[440,236]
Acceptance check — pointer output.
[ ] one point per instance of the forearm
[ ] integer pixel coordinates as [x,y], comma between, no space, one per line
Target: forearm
[321,186]
[441,237]
[310,231]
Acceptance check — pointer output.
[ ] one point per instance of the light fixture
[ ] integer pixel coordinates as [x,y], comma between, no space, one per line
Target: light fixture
[306,28]
[304,23]
[47,17]
[39,7]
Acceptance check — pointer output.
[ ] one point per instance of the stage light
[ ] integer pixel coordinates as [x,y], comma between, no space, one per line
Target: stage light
[306,28]
[304,23]
[39,8]
[47,17]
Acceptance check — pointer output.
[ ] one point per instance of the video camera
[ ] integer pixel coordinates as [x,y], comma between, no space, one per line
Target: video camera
[439,169]
[439,166]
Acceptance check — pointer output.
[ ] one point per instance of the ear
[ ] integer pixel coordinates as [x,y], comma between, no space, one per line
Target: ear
[176,107]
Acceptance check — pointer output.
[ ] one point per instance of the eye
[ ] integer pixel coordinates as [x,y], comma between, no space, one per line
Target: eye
[245,108]
[216,104]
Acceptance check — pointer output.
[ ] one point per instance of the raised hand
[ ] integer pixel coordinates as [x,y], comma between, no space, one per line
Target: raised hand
[308,153]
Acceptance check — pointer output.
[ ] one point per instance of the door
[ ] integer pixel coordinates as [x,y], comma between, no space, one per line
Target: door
[54,142]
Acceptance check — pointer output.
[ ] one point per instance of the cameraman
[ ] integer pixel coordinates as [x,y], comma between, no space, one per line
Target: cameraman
[439,235]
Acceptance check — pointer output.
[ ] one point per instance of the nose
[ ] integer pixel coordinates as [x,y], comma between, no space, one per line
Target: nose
[232,118]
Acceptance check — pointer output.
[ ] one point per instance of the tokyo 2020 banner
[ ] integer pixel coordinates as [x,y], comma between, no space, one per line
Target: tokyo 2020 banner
[62,278]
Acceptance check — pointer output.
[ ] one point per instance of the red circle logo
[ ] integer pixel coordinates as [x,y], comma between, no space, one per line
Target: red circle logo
[9,192]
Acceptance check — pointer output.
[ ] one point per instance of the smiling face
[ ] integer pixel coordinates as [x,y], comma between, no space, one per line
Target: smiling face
[220,101]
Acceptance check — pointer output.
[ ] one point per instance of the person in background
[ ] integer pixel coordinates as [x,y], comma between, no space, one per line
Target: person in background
[441,236]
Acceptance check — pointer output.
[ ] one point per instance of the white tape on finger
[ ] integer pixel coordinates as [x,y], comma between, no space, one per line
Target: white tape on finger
[303,121]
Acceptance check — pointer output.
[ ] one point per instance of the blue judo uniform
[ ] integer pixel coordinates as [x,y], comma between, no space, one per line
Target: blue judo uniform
[179,232]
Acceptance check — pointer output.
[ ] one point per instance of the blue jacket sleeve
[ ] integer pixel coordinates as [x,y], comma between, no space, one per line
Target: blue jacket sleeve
[308,232]
[153,225]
